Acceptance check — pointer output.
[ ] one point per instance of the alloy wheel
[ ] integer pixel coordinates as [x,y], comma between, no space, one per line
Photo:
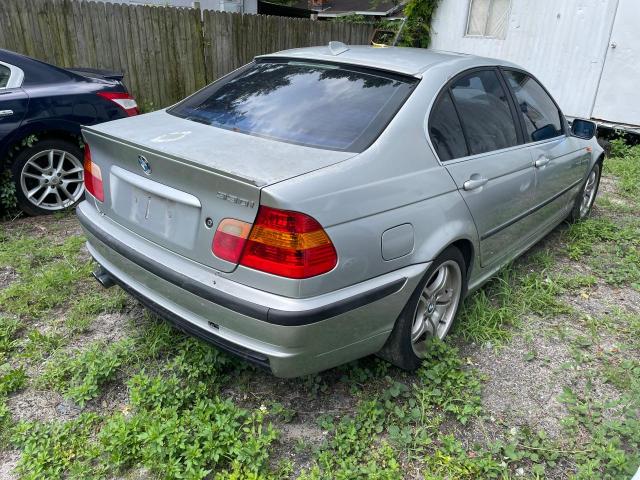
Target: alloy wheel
[589,193]
[437,306]
[52,179]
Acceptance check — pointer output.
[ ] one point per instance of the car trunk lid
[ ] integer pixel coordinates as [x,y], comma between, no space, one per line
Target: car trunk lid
[172,180]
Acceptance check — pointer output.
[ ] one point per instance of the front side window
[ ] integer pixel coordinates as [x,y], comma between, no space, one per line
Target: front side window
[484,111]
[336,107]
[5,73]
[541,116]
[488,18]
[445,130]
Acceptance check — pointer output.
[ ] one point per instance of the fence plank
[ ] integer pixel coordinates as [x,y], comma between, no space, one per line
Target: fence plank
[166,53]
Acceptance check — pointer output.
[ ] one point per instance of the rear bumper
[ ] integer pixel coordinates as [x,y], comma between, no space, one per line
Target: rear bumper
[290,336]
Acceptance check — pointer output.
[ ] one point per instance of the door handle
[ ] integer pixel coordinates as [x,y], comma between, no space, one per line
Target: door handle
[541,162]
[6,113]
[474,183]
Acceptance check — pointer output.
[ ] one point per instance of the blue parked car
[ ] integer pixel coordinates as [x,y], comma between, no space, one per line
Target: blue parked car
[52,103]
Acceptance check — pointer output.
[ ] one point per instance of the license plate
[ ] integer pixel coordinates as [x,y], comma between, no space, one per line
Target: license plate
[154,216]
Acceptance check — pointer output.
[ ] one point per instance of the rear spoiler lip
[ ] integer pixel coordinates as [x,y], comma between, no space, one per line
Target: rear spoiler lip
[97,73]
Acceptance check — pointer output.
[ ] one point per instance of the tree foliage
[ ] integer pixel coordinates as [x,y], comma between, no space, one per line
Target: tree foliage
[417,30]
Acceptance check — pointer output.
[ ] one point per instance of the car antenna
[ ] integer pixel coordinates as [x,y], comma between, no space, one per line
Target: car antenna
[336,48]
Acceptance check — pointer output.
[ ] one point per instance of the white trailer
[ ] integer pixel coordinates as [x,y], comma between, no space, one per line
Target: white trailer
[586,52]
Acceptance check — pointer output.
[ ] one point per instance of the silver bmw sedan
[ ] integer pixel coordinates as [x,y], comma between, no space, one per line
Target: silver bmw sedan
[322,204]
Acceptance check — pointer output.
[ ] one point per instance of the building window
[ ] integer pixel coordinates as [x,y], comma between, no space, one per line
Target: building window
[488,18]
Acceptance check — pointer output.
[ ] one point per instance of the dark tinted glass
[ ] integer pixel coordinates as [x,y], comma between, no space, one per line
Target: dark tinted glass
[445,130]
[484,111]
[5,73]
[314,104]
[541,116]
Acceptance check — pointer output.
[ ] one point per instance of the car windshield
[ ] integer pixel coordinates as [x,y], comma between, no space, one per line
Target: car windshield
[336,107]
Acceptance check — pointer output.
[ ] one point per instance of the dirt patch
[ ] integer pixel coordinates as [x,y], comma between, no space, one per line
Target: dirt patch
[7,276]
[8,461]
[524,380]
[603,299]
[41,405]
[107,327]
[53,227]
[297,441]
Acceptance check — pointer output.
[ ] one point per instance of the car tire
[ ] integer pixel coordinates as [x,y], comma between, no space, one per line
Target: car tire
[586,197]
[48,177]
[430,311]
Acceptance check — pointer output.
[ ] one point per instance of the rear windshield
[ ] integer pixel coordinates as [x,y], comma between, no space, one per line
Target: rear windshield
[336,107]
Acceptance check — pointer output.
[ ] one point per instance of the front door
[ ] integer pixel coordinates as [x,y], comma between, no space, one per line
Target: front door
[560,163]
[13,101]
[617,99]
[487,161]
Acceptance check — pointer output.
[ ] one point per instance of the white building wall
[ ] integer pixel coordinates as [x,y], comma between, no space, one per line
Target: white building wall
[562,42]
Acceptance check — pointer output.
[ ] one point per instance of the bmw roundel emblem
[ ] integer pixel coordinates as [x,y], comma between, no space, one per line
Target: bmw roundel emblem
[144,164]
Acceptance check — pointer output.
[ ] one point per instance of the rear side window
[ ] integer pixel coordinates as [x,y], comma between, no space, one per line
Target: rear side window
[541,116]
[336,107]
[5,73]
[445,130]
[484,111]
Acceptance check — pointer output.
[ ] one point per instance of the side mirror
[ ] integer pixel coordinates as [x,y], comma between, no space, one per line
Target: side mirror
[583,128]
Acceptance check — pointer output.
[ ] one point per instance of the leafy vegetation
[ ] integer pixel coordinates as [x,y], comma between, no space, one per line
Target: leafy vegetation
[8,202]
[146,401]
[417,30]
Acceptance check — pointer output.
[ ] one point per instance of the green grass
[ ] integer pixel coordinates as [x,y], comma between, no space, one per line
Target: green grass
[43,289]
[84,310]
[37,346]
[26,254]
[9,328]
[625,165]
[491,314]
[193,412]
[612,250]
[48,272]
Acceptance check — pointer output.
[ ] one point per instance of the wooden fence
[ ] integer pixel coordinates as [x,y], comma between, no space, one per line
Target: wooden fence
[166,53]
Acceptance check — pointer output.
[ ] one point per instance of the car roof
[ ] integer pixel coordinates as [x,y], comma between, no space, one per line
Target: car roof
[37,71]
[405,60]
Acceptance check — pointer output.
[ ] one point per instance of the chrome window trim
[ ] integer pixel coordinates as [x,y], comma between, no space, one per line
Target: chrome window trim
[16,76]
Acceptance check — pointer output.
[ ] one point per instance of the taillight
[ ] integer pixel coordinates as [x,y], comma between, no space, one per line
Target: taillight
[123,100]
[289,244]
[92,176]
[229,239]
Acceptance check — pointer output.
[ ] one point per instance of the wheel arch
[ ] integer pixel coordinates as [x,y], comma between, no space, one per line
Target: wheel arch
[43,131]
[467,249]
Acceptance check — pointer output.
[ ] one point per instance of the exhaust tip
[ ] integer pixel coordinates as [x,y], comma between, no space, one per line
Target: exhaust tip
[103,277]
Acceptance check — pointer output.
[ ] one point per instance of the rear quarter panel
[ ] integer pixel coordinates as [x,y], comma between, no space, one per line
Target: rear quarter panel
[396,181]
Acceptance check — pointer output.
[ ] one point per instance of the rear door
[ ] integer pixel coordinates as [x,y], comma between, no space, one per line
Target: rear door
[560,161]
[473,129]
[13,100]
